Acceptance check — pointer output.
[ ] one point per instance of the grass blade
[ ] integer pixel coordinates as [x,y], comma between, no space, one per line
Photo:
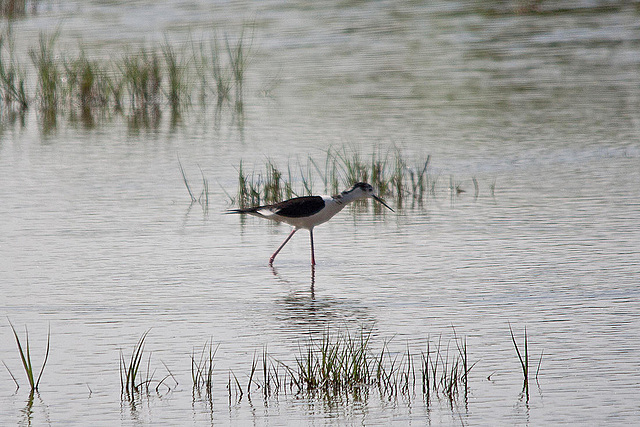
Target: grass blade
[46,357]
[186,182]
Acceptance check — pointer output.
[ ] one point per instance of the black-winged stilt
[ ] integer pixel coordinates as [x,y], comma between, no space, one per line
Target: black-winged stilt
[308,211]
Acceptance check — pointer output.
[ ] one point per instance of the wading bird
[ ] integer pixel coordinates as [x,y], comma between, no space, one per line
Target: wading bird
[308,211]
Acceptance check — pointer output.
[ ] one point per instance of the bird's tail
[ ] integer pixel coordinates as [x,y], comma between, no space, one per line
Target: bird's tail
[242,211]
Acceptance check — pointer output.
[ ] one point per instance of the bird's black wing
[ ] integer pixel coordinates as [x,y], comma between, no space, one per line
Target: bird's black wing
[299,207]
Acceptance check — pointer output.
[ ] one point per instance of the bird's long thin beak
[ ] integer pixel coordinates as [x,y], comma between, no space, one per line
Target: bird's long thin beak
[378,199]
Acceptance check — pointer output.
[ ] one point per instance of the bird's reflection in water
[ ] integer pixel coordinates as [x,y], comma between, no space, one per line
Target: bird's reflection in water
[303,310]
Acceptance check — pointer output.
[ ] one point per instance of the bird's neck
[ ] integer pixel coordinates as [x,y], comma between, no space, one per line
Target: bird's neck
[345,198]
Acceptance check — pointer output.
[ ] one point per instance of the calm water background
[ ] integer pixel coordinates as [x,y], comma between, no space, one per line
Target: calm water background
[97,238]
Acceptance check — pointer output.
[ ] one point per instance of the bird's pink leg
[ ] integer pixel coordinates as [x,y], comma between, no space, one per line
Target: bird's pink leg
[282,246]
[313,258]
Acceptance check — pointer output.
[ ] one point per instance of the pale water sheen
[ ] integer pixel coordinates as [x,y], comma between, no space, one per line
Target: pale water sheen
[97,238]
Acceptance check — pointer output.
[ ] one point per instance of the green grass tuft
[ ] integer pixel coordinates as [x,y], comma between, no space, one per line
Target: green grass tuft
[25,357]
[178,91]
[49,75]
[131,381]
[12,77]
[202,369]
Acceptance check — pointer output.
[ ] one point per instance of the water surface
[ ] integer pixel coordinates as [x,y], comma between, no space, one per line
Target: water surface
[99,241]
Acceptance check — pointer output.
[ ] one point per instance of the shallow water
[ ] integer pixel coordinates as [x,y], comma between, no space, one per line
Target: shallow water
[98,240]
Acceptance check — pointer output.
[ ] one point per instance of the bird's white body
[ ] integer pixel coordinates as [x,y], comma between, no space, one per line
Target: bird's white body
[308,211]
[332,206]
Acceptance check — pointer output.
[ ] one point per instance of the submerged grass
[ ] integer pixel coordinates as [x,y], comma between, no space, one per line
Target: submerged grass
[25,357]
[150,77]
[343,365]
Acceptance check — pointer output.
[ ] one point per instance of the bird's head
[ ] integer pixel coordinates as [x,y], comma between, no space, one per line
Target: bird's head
[362,190]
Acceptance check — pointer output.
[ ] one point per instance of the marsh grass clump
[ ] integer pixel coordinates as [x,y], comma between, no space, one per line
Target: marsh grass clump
[49,75]
[234,388]
[142,76]
[201,64]
[177,92]
[25,357]
[130,374]
[419,180]
[13,95]
[220,73]
[390,173]
[393,174]
[273,187]
[227,62]
[134,382]
[440,371]
[251,189]
[334,366]
[353,167]
[238,56]
[345,365]
[445,371]
[152,78]
[202,369]
[88,87]
[274,376]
